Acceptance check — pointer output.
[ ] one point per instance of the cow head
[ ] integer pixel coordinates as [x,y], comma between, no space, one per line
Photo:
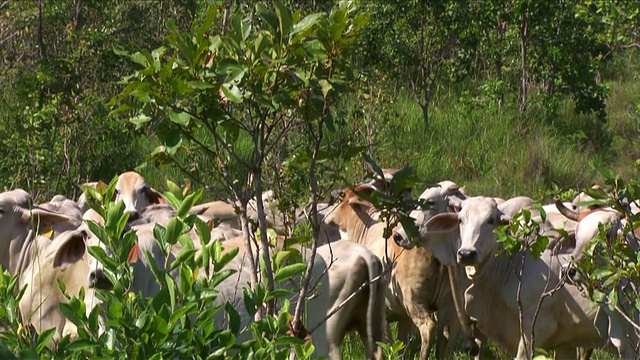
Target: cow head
[445,197]
[64,259]
[476,221]
[136,194]
[20,221]
[345,201]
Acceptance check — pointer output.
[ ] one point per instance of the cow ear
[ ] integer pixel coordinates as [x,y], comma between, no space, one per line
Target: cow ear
[455,203]
[154,196]
[336,195]
[449,187]
[366,188]
[356,200]
[504,219]
[40,215]
[70,252]
[444,222]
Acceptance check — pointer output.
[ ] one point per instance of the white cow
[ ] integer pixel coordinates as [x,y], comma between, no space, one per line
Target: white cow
[19,223]
[39,245]
[340,268]
[565,320]
[588,222]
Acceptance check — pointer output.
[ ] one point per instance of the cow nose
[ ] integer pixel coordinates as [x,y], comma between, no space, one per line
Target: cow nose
[98,280]
[465,255]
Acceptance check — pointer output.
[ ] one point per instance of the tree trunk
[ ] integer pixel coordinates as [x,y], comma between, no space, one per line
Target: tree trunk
[501,30]
[256,171]
[43,49]
[524,29]
[253,264]
[425,112]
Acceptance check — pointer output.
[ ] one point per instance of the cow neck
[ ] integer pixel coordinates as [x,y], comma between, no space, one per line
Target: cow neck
[24,257]
[497,270]
[363,228]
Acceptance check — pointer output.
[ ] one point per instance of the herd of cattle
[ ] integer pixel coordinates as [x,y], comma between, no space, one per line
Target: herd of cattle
[456,284]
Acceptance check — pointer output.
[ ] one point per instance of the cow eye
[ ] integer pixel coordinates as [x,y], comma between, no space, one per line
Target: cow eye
[115,195]
[491,221]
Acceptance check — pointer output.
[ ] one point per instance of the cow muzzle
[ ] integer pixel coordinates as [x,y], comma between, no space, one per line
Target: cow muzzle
[99,280]
[467,256]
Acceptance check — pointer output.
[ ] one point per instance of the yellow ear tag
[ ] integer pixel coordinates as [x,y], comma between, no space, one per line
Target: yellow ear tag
[48,233]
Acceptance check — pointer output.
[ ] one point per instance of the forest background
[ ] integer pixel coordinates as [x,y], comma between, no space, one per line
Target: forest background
[505,97]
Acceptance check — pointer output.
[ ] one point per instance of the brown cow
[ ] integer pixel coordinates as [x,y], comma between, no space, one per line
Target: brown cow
[418,286]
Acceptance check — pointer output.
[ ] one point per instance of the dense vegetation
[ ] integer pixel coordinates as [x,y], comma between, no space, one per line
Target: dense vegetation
[504,96]
[461,71]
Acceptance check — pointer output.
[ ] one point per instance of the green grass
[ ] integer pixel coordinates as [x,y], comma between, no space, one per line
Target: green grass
[497,152]
[352,349]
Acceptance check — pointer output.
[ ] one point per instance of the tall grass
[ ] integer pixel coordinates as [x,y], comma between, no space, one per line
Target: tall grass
[498,152]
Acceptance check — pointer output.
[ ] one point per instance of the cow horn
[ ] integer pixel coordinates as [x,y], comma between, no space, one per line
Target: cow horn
[570,214]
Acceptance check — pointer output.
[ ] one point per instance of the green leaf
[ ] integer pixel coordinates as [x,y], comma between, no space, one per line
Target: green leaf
[172,290]
[279,257]
[233,318]
[114,214]
[172,199]
[211,14]
[44,338]
[221,276]
[139,58]
[216,251]
[288,271]
[80,345]
[306,23]
[326,87]
[101,255]
[174,229]
[178,313]
[284,19]
[199,85]
[204,233]
[181,118]
[174,189]
[188,203]
[225,259]
[232,92]
[120,52]
[184,255]
[140,120]
[373,164]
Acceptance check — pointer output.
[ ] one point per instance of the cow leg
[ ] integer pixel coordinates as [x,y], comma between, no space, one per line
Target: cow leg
[445,344]
[562,353]
[584,353]
[480,341]
[404,331]
[426,325]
